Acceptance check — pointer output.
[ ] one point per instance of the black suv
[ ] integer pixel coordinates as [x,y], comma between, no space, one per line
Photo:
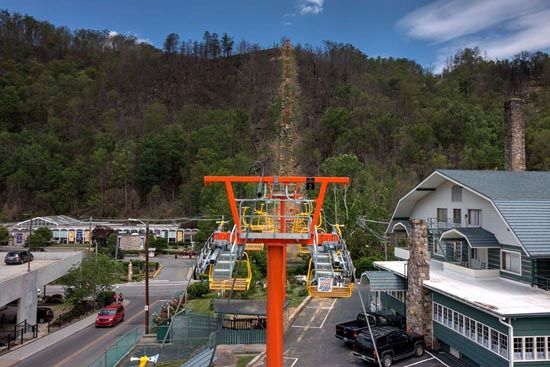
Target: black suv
[392,344]
[18,257]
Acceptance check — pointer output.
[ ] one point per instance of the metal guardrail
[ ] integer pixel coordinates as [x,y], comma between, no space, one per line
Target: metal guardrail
[121,347]
[22,332]
[542,282]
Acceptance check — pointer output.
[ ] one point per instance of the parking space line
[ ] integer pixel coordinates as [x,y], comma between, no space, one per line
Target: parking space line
[326,316]
[320,308]
[293,363]
[445,364]
[419,362]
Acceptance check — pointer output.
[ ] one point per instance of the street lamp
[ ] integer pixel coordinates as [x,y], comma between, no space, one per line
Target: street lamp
[146,246]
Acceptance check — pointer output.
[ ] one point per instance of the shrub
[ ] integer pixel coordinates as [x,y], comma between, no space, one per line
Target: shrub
[197,290]
[105,298]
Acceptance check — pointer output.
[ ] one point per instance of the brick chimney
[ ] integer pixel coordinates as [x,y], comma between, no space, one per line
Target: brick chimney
[514,130]
[419,303]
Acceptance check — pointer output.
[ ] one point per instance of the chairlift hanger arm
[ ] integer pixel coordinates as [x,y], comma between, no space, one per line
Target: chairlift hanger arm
[271,179]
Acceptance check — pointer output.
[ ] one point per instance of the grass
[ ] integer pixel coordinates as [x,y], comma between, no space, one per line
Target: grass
[201,305]
[242,361]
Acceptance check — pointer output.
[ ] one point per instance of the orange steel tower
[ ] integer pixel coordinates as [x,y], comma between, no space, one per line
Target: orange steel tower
[277,223]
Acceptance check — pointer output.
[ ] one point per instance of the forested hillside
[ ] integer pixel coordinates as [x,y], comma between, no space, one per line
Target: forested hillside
[100,124]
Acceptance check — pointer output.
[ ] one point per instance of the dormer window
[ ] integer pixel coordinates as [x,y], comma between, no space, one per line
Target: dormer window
[456,194]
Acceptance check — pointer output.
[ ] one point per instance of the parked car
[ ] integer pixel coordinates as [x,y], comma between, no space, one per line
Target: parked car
[348,331]
[44,314]
[18,257]
[110,315]
[392,344]
[54,299]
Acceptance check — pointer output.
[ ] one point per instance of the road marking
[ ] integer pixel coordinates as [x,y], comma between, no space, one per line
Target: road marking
[326,316]
[62,363]
[324,319]
[293,363]
[422,361]
[445,364]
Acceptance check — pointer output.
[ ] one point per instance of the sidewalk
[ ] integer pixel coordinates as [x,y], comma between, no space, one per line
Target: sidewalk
[37,345]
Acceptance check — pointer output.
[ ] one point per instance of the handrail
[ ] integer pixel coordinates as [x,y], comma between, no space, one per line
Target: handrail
[249,271]
[309,272]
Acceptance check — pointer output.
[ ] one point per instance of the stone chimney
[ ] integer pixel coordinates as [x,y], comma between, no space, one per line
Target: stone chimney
[419,303]
[514,130]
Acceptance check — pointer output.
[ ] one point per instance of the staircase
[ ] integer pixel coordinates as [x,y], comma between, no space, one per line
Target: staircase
[323,265]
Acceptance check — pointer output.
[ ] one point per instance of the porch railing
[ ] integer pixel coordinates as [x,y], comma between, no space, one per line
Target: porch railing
[542,282]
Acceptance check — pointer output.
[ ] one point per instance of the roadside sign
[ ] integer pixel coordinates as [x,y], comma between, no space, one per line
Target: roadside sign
[19,238]
[325,285]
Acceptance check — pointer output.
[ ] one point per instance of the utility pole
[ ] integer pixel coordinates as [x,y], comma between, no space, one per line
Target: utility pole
[147,278]
[29,242]
[146,248]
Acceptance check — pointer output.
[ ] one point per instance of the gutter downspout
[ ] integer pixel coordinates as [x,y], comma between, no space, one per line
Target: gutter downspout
[510,340]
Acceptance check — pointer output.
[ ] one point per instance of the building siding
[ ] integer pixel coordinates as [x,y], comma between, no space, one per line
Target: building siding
[471,350]
[441,198]
[494,258]
[390,302]
[471,312]
[538,326]
[526,267]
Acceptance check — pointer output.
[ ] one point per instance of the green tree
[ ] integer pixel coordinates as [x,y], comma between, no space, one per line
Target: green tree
[4,236]
[39,238]
[93,275]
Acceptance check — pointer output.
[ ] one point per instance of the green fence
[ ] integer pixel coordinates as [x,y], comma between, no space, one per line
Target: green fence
[228,336]
[178,351]
[119,349]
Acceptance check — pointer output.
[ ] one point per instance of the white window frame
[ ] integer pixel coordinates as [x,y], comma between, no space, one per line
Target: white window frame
[520,261]
[523,356]
[487,333]
[469,223]
[456,189]
[446,210]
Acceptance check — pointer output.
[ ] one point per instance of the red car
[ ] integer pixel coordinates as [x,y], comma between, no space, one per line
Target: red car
[110,315]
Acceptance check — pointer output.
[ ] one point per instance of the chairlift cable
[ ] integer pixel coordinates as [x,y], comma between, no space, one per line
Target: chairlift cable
[368,322]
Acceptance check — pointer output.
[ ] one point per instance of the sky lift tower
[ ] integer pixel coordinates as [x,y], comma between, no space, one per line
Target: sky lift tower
[274,219]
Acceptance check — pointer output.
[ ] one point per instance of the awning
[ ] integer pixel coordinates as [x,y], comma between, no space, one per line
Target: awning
[241,306]
[476,237]
[400,226]
[383,281]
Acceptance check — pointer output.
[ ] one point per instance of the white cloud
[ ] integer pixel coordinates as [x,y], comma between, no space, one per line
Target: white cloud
[113,34]
[310,6]
[500,28]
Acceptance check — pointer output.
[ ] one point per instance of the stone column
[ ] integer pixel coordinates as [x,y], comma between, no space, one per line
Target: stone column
[418,301]
[514,131]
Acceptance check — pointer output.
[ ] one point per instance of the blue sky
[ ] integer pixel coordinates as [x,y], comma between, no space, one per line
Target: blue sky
[427,31]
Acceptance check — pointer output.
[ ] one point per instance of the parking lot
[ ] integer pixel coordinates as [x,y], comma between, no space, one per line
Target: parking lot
[310,341]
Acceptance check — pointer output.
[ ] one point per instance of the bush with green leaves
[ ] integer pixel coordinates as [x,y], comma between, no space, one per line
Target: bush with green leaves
[4,236]
[39,238]
[198,290]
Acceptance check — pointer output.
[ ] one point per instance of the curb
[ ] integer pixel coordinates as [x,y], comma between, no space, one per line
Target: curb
[82,324]
[189,273]
[156,273]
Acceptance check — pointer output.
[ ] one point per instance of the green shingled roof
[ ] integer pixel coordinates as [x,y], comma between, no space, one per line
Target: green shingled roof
[505,185]
[476,236]
[523,199]
[383,281]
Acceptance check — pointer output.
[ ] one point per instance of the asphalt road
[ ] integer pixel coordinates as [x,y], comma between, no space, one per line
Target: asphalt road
[84,346]
[310,341]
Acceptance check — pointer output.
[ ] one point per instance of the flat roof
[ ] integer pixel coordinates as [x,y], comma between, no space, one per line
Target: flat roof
[498,296]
